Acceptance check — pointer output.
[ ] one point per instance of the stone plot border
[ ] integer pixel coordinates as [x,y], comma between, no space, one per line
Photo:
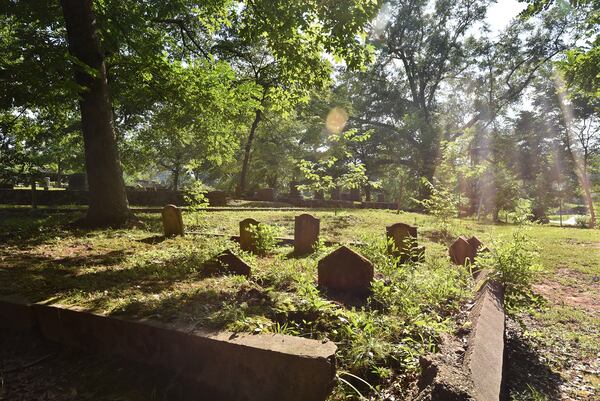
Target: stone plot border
[226,366]
[484,356]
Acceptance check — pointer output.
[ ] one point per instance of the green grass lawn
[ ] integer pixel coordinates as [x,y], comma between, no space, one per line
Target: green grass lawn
[131,273]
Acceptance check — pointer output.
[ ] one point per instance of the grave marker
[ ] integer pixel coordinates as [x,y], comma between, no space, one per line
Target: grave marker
[172,221]
[346,272]
[461,251]
[227,262]
[306,233]
[247,240]
[404,241]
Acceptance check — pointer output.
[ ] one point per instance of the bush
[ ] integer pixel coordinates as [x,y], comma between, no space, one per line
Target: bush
[514,263]
[582,221]
[442,204]
[265,237]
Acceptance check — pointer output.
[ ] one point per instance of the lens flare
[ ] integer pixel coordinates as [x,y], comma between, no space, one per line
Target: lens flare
[569,118]
[336,120]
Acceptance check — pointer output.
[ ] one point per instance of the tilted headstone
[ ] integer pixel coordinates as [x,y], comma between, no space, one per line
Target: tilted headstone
[227,262]
[247,238]
[172,221]
[475,243]
[402,241]
[306,233]
[346,272]
[461,251]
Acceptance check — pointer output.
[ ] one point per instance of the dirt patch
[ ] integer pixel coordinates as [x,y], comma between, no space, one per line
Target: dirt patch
[584,293]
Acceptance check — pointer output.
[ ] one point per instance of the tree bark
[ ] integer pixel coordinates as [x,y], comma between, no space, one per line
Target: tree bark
[587,194]
[242,184]
[176,172]
[108,204]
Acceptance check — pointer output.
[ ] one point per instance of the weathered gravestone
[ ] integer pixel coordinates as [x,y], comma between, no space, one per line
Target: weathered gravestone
[306,233]
[336,193]
[294,191]
[461,250]
[172,221]
[265,194]
[247,238]
[402,242]
[346,273]
[227,262]
[475,243]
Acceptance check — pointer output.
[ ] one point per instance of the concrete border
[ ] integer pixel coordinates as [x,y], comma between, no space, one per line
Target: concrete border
[226,366]
[485,347]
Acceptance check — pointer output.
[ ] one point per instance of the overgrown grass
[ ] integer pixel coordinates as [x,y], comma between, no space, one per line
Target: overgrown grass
[134,274]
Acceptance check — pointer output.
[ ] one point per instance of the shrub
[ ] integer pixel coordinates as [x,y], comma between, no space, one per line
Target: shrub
[196,199]
[265,237]
[514,263]
[582,221]
[442,204]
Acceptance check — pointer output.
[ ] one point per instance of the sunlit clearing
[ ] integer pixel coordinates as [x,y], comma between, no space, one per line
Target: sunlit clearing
[336,120]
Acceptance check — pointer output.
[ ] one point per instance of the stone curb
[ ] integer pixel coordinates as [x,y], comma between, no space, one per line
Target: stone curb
[485,347]
[226,366]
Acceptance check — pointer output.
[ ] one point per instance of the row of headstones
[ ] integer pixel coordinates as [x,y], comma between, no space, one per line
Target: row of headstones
[343,272]
[402,238]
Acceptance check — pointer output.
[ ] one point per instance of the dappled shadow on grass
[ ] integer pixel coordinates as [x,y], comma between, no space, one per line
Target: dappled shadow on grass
[40,277]
[526,371]
[155,239]
[213,306]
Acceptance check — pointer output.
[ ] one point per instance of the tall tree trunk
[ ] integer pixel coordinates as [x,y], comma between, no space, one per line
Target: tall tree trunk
[583,176]
[108,201]
[587,194]
[241,188]
[33,192]
[176,173]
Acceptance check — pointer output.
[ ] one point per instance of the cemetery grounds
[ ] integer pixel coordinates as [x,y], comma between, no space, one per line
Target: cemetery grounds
[553,345]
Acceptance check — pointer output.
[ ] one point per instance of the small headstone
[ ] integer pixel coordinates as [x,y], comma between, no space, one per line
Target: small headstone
[247,240]
[475,243]
[306,233]
[346,272]
[227,262]
[355,194]
[265,194]
[172,221]
[336,193]
[294,191]
[404,240]
[461,251]
[78,182]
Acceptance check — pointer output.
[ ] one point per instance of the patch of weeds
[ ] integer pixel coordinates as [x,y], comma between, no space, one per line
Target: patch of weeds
[515,264]
[530,394]
[265,237]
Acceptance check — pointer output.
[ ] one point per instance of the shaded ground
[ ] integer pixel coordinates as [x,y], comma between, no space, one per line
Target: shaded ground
[33,369]
[552,350]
